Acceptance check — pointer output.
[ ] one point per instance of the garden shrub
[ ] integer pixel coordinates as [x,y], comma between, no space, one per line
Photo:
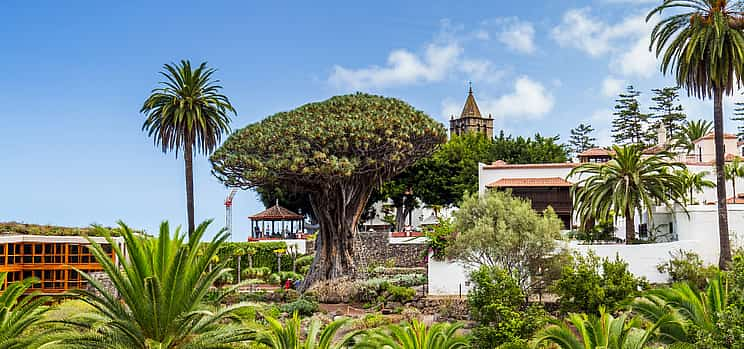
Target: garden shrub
[498,305]
[264,255]
[400,294]
[370,321]
[589,282]
[302,306]
[256,273]
[305,260]
[687,266]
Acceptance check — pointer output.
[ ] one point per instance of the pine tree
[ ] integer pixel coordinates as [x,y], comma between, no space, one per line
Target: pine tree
[630,126]
[581,139]
[668,110]
[739,116]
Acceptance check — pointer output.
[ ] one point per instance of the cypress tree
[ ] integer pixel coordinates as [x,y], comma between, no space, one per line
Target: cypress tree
[581,138]
[668,110]
[630,126]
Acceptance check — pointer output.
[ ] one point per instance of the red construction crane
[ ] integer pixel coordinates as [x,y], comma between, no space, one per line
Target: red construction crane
[228,211]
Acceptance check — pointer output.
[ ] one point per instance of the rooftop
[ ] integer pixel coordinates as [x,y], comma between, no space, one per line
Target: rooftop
[276,213]
[502,165]
[16,228]
[596,152]
[710,135]
[529,182]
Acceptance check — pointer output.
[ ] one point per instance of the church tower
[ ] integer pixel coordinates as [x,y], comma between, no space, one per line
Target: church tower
[471,120]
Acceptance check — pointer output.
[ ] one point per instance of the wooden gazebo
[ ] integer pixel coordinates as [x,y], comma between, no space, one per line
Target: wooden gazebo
[273,223]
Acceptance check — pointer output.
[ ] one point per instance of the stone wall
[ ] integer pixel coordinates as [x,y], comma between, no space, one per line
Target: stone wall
[375,248]
[102,278]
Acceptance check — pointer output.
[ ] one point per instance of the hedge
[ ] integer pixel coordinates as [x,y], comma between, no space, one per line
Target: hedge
[264,256]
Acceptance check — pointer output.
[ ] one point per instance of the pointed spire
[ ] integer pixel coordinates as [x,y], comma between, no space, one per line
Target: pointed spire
[471,108]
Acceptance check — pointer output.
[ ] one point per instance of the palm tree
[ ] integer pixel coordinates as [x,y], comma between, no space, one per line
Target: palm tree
[692,131]
[703,42]
[734,171]
[415,335]
[580,331]
[694,182]
[161,284]
[187,112]
[288,336]
[685,309]
[19,312]
[625,184]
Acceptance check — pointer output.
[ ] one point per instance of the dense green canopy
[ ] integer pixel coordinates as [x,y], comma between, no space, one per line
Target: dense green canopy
[333,140]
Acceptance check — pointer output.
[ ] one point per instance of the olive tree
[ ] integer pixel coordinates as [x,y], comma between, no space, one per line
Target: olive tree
[337,151]
[497,229]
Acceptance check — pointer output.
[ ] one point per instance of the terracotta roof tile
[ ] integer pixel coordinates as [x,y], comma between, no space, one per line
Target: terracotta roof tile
[501,164]
[739,199]
[655,149]
[710,136]
[276,212]
[597,152]
[529,182]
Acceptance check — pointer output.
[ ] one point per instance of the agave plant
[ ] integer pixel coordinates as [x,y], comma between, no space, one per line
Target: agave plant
[161,285]
[686,309]
[415,335]
[18,312]
[580,331]
[287,335]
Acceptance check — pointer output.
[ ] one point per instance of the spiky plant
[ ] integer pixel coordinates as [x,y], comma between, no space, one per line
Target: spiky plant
[161,285]
[19,311]
[289,334]
[415,335]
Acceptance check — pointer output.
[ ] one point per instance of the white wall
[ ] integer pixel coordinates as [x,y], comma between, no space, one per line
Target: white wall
[447,278]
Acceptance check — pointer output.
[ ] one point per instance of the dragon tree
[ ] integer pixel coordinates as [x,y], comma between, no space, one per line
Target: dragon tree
[336,151]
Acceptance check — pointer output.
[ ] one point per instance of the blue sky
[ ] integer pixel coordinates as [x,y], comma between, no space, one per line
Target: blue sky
[75,75]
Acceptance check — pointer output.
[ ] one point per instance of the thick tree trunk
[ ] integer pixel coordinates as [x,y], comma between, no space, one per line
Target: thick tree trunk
[723,233]
[629,226]
[338,209]
[188,159]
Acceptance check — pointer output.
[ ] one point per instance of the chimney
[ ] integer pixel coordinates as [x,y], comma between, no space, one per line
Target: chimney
[661,135]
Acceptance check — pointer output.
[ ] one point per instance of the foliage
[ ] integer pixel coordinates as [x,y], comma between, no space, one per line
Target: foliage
[19,313]
[694,315]
[295,202]
[415,335]
[581,140]
[687,266]
[498,229]
[694,182]
[739,116]
[301,306]
[667,110]
[733,171]
[439,237]
[703,43]
[630,126]
[161,284]
[498,305]
[627,183]
[588,283]
[337,151]
[580,331]
[262,255]
[371,321]
[50,230]
[522,150]
[692,131]
[400,294]
[256,273]
[288,335]
[601,231]
[186,112]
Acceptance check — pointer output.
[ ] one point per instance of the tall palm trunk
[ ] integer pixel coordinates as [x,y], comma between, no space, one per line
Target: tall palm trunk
[188,158]
[629,225]
[723,233]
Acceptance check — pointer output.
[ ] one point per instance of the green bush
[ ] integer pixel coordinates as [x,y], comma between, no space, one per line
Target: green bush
[589,282]
[302,306]
[400,293]
[264,255]
[256,273]
[305,260]
[497,304]
[686,266]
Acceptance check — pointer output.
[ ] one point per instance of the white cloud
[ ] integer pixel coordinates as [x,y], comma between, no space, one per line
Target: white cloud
[638,61]
[403,67]
[529,100]
[611,86]
[626,42]
[481,70]
[517,35]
